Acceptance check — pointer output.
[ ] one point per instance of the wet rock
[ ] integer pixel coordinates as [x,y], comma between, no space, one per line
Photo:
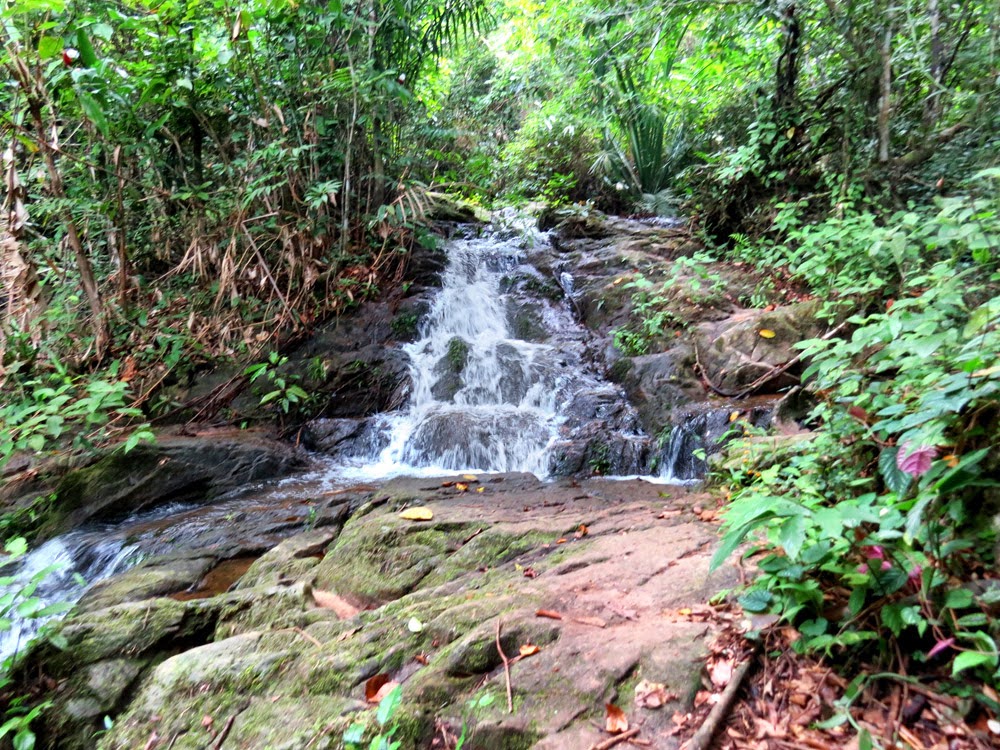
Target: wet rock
[332,436]
[449,208]
[735,356]
[600,436]
[290,560]
[657,384]
[156,577]
[174,469]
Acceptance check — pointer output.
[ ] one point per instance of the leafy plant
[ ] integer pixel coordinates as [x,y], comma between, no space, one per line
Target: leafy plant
[871,527]
[383,739]
[284,391]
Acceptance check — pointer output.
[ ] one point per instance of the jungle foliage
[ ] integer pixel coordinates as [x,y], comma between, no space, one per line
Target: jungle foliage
[189,180]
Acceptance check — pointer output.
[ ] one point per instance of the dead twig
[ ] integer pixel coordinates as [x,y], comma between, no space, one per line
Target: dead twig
[703,737]
[618,738]
[472,536]
[506,671]
[767,376]
[224,733]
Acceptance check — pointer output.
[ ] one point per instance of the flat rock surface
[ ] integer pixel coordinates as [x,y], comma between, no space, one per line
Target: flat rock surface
[607,563]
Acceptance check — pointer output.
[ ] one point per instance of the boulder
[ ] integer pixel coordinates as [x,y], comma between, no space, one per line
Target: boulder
[174,469]
[747,347]
[658,384]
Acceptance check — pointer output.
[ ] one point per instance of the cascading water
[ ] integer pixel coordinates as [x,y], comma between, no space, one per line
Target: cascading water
[482,399]
[55,575]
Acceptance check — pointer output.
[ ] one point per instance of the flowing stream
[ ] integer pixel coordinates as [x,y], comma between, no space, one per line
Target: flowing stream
[483,399]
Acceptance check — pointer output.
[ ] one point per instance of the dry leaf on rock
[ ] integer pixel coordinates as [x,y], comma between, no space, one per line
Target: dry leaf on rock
[529,649]
[766,333]
[551,614]
[374,685]
[384,691]
[581,532]
[616,721]
[721,672]
[420,513]
[338,605]
[652,694]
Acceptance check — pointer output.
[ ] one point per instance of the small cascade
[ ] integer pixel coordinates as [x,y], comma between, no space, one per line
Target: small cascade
[482,399]
[683,457]
[57,573]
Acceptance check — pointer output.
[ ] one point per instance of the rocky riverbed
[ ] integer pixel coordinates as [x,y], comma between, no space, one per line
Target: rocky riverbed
[260,610]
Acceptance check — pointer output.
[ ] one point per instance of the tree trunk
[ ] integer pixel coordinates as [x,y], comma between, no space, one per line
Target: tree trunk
[885,97]
[932,105]
[34,94]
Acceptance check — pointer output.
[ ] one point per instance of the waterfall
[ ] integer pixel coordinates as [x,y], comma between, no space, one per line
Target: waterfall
[54,576]
[482,399]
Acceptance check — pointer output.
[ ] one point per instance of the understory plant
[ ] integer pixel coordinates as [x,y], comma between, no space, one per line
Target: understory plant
[875,536]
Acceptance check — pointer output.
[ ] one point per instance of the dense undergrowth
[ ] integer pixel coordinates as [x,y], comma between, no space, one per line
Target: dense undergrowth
[191,182]
[880,522]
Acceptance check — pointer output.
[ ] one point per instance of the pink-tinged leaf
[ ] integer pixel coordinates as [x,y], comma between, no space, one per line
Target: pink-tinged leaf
[940,646]
[917,461]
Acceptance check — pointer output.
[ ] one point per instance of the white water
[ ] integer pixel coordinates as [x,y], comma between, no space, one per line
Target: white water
[501,411]
[57,572]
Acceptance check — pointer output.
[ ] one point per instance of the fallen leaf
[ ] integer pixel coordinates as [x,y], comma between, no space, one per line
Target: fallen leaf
[616,721]
[529,649]
[373,685]
[721,672]
[447,484]
[551,614]
[419,513]
[480,489]
[414,625]
[733,416]
[384,691]
[766,333]
[581,532]
[561,541]
[470,477]
[684,611]
[461,486]
[338,605]
[652,694]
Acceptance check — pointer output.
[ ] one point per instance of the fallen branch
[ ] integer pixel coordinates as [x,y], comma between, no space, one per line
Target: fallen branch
[612,741]
[225,732]
[703,737]
[506,671]
[767,376]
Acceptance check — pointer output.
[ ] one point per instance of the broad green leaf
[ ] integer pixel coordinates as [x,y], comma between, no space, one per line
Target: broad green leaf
[756,600]
[49,47]
[895,480]
[971,659]
[92,109]
[388,705]
[87,55]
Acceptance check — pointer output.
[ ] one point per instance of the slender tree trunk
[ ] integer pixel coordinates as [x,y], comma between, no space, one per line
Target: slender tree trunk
[932,105]
[34,94]
[787,72]
[885,97]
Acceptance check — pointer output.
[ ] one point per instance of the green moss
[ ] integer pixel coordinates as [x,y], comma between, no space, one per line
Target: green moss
[458,354]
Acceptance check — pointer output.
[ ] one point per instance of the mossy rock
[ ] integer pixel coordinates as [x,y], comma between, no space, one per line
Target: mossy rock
[379,558]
